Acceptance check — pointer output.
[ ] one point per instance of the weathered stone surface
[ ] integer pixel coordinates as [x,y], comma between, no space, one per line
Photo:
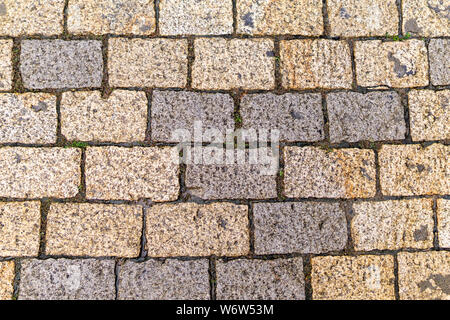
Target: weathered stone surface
[392,64]
[303,227]
[111,16]
[57,64]
[189,229]
[353,278]
[233,63]
[301,17]
[195,17]
[164,280]
[243,279]
[31,17]
[64,279]
[86,116]
[429,18]
[147,62]
[424,275]
[6,280]
[356,18]
[132,173]
[96,230]
[311,172]
[309,64]
[298,117]
[443,217]
[6,71]
[439,52]
[39,172]
[429,113]
[175,110]
[393,225]
[28,118]
[19,229]
[414,170]
[374,116]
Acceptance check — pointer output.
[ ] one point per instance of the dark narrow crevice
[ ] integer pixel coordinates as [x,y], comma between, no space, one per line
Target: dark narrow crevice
[191,59]
[307,270]
[251,228]
[326,21]
[212,278]
[156,17]
[143,251]
[106,90]
[399,4]
[435,227]
[17,84]
[45,207]
[396,280]
[148,130]
[277,57]
[16,282]
[235,18]
[117,279]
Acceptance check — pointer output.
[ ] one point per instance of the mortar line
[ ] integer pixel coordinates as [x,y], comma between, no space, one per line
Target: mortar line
[157,16]
[326,21]
[326,119]
[347,207]
[82,187]
[351,45]
[307,272]
[436,225]
[105,88]
[190,62]
[65,33]
[399,4]
[60,139]
[143,251]
[148,129]
[212,278]
[44,209]
[378,188]
[235,18]
[16,280]
[116,278]
[277,54]
[404,96]
[396,279]
[17,84]
[251,228]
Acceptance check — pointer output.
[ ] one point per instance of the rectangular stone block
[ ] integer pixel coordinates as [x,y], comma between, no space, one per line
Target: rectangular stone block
[192,17]
[393,225]
[19,229]
[95,230]
[391,64]
[189,229]
[366,18]
[164,280]
[31,17]
[311,172]
[6,280]
[353,278]
[233,63]
[158,63]
[427,18]
[39,172]
[243,279]
[59,64]
[298,117]
[86,116]
[115,173]
[301,17]
[407,170]
[28,118]
[135,17]
[439,52]
[181,110]
[429,113]
[6,71]
[298,227]
[64,279]
[424,275]
[443,217]
[374,116]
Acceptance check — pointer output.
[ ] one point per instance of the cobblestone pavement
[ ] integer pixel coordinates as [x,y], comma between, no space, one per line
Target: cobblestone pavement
[93,207]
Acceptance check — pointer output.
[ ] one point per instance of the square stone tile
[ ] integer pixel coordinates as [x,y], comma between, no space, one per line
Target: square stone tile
[427,18]
[439,52]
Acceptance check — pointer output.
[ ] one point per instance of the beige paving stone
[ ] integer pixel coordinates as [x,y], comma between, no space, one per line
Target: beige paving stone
[190,229]
[147,62]
[309,64]
[439,53]
[96,230]
[116,173]
[301,17]
[28,118]
[424,275]
[428,18]
[31,17]
[86,116]
[6,71]
[429,113]
[353,278]
[392,64]
[443,217]
[19,228]
[111,17]
[356,18]
[39,172]
[6,280]
[311,172]
[233,63]
[393,225]
[207,17]
[407,170]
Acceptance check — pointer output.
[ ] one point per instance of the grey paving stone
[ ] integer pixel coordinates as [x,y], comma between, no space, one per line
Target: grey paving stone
[439,51]
[375,116]
[307,227]
[164,280]
[64,279]
[57,64]
[280,279]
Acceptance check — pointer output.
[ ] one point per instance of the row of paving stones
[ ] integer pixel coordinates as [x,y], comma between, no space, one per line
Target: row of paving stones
[348,18]
[421,275]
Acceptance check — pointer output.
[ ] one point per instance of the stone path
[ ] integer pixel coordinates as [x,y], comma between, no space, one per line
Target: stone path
[92,205]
